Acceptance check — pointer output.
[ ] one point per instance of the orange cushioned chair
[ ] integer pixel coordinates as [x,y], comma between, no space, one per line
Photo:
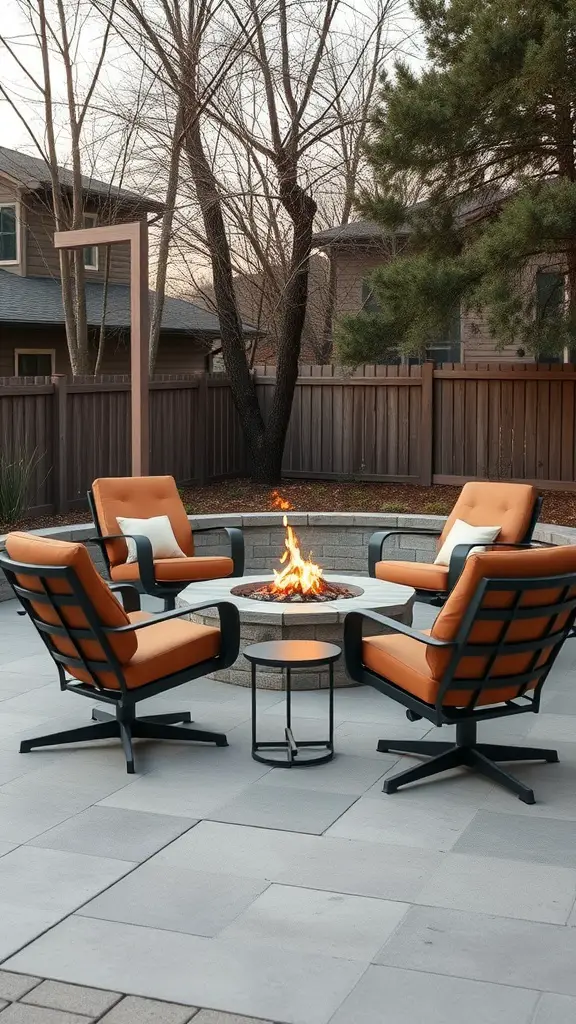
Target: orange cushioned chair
[142,498]
[513,507]
[115,656]
[487,656]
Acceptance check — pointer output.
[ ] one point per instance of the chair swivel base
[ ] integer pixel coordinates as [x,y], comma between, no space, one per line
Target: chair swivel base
[107,726]
[481,757]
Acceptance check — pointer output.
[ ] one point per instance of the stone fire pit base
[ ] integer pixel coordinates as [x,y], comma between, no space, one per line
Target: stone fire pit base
[260,621]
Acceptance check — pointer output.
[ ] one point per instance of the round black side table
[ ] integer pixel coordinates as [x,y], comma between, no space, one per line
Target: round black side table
[290,654]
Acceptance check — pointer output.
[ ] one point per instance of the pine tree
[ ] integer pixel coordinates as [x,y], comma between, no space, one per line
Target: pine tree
[488,129]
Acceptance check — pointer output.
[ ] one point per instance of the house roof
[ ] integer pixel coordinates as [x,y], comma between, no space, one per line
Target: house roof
[370,231]
[33,173]
[354,231]
[38,300]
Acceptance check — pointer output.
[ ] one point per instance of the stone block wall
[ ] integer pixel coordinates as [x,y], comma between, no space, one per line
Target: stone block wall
[338,541]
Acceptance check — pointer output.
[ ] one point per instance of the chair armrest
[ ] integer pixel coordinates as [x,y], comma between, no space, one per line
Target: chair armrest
[144,555]
[461,551]
[236,538]
[353,638]
[226,610]
[356,618]
[377,540]
[229,625]
[129,594]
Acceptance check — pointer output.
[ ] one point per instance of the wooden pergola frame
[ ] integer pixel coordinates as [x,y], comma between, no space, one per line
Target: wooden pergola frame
[136,233]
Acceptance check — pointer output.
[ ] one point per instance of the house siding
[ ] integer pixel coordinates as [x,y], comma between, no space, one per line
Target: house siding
[353,266]
[43,259]
[176,353]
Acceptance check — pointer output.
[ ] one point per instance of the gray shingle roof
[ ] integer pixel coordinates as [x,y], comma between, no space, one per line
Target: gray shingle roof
[32,172]
[359,231]
[38,300]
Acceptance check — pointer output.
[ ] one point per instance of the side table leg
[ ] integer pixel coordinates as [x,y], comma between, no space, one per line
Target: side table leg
[291,748]
[253,685]
[331,705]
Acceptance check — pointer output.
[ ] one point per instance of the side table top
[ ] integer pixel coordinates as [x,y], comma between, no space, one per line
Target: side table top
[292,653]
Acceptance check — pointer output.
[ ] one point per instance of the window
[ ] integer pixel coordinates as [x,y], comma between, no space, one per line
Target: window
[9,247]
[34,362]
[90,251]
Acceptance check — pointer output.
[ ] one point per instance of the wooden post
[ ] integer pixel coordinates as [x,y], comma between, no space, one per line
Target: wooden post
[136,233]
[139,340]
[59,381]
[427,424]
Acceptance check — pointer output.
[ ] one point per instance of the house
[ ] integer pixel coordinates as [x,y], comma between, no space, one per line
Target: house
[357,248]
[32,334]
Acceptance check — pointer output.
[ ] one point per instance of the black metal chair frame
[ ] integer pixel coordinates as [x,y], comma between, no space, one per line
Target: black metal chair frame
[123,722]
[147,582]
[467,751]
[457,559]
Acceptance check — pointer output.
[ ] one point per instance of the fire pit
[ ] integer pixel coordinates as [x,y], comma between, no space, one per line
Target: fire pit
[297,602]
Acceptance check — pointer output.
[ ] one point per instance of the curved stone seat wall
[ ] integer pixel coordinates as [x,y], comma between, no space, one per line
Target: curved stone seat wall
[338,541]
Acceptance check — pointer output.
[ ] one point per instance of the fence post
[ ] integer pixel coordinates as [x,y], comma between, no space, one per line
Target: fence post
[60,383]
[201,429]
[426,424]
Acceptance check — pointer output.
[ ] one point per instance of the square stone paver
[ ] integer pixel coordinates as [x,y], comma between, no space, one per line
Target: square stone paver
[20,1013]
[397,997]
[114,832]
[14,986]
[133,1010]
[295,810]
[520,837]
[92,1002]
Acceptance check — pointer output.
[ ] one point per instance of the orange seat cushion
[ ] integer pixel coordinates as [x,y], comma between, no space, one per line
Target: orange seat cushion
[420,575]
[139,497]
[162,649]
[402,660]
[178,570]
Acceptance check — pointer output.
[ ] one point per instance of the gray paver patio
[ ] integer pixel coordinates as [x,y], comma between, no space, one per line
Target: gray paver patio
[276,897]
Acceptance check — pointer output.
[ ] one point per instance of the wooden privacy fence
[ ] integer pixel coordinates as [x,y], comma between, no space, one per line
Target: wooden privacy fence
[427,424]
[77,431]
[413,424]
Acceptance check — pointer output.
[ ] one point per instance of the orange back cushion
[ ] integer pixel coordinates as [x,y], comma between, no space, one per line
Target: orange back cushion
[536,562]
[32,550]
[508,506]
[139,497]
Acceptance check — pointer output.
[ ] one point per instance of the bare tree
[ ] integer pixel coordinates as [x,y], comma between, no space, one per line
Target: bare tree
[58,31]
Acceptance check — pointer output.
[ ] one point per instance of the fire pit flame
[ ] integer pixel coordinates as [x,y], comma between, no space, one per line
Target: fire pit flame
[282,503]
[299,575]
[300,579]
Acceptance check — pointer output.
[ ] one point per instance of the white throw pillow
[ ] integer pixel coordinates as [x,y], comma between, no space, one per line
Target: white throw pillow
[463,533]
[159,531]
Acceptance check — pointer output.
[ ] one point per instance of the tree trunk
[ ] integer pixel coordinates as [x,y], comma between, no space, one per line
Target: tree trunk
[233,347]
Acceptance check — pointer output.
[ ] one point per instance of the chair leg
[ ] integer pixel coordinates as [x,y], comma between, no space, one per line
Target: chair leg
[453,758]
[497,774]
[126,737]
[502,753]
[159,731]
[100,731]
[419,747]
[174,718]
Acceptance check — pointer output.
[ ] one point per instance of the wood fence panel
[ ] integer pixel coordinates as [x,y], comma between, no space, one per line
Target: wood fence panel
[98,436]
[224,444]
[173,416]
[27,433]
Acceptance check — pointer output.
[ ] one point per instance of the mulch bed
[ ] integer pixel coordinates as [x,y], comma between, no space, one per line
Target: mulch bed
[323,496]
